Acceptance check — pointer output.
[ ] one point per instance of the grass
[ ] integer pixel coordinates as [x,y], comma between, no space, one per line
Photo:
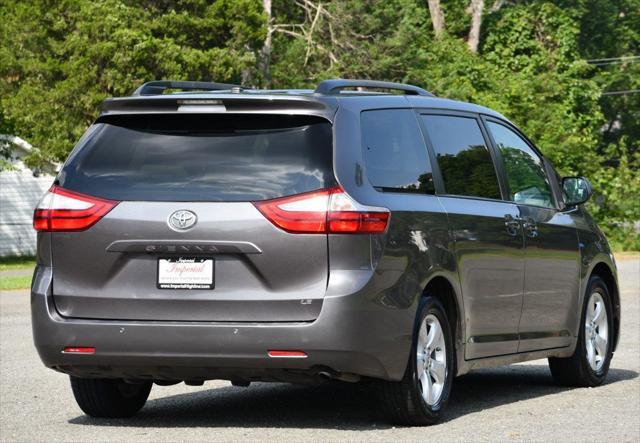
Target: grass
[15,282]
[627,255]
[16,263]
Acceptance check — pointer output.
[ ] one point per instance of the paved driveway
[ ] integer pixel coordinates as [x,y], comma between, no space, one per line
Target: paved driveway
[515,403]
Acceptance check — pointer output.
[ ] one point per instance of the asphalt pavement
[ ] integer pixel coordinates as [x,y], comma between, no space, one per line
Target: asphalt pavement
[509,403]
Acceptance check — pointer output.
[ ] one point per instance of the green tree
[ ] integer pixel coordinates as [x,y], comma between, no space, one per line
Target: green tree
[60,59]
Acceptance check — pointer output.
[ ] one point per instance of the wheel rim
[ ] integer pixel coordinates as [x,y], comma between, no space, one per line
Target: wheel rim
[596,332]
[431,359]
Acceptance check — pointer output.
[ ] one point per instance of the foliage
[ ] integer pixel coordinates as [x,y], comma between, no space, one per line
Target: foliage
[5,156]
[13,263]
[15,282]
[59,59]
[617,204]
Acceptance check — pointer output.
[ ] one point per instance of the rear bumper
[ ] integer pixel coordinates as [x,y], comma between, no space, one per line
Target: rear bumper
[353,334]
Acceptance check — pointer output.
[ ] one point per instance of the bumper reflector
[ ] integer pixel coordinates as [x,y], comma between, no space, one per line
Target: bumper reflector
[78,350]
[287,354]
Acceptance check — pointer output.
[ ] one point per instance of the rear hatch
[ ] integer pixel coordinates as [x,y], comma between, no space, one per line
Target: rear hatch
[184,239]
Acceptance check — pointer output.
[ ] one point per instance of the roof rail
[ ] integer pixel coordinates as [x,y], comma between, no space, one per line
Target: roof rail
[334,86]
[159,86]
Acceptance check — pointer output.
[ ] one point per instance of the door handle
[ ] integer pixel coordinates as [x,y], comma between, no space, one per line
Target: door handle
[530,227]
[512,223]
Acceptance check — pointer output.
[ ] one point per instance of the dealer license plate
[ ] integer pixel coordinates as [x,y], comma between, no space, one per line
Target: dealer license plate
[185,273]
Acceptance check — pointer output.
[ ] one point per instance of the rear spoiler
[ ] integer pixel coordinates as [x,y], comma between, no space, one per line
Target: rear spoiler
[222,103]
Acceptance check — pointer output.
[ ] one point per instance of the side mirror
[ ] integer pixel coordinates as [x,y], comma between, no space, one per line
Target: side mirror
[576,190]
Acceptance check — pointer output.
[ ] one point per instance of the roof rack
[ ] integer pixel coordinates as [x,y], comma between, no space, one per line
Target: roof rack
[334,86]
[326,87]
[159,86]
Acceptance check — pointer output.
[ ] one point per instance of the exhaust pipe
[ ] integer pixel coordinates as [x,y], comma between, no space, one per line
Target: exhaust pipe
[330,374]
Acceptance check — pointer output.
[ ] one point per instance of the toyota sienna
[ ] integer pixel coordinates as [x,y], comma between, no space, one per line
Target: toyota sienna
[362,231]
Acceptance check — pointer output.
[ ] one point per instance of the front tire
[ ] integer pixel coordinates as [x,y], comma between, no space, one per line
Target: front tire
[109,398]
[589,364]
[419,398]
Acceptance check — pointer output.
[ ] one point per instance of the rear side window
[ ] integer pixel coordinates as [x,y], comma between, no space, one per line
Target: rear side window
[202,157]
[464,159]
[394,151]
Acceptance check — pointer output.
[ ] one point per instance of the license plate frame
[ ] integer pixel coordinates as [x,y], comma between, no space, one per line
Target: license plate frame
[169,277]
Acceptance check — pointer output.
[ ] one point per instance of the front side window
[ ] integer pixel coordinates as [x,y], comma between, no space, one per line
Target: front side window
[395,154]
[528,183]
[464,159]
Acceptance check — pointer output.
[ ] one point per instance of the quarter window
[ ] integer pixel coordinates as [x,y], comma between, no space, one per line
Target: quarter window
[528,183]
[394,151]
[464,159]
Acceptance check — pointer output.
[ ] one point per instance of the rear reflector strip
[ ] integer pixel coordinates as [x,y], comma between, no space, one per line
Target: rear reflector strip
[78,350]
[287,354]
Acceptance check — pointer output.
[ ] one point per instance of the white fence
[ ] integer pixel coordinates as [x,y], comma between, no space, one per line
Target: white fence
[19,194]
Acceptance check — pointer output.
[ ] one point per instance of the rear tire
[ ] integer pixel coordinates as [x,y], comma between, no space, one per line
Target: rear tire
[419,398]
[589,364]
[109,398]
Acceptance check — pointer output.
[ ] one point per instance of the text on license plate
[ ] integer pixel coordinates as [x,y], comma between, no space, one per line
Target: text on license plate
[185,273]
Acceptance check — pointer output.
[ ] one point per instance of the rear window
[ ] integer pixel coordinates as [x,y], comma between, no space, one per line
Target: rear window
[201,157]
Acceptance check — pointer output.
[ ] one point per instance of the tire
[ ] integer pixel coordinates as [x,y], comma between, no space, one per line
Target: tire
[577,369]
[404,401]
[109,398]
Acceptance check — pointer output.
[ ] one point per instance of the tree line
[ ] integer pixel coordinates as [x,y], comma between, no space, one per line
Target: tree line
[565,71]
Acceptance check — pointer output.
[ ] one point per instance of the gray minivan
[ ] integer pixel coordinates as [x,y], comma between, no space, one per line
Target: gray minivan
[362,231]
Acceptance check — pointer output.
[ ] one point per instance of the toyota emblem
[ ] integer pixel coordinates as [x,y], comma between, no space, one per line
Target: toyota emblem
[182,220]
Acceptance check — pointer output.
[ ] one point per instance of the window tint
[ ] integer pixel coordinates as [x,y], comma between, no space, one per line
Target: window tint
[528,183]
[464,159]
[202,157]
[394,151]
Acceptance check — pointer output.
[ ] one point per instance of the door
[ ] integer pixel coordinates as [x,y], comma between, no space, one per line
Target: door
[551,284]
[485,229]
[186,240]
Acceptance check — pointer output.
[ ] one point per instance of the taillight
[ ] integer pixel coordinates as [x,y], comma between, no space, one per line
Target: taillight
[63,210]
[346,216]
[324,211]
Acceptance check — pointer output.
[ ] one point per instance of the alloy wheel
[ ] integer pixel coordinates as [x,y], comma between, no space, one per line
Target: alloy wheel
[431,359]
[596,331]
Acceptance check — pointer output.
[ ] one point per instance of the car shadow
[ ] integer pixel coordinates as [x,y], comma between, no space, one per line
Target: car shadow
[488,388]
[341,406]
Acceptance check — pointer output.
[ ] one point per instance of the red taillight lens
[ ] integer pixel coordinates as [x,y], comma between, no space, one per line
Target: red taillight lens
[324,211]
[346,216]
[63,210]
[301,214]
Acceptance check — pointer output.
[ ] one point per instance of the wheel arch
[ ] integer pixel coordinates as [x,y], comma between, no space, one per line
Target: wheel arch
[602,270]
[444,291]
